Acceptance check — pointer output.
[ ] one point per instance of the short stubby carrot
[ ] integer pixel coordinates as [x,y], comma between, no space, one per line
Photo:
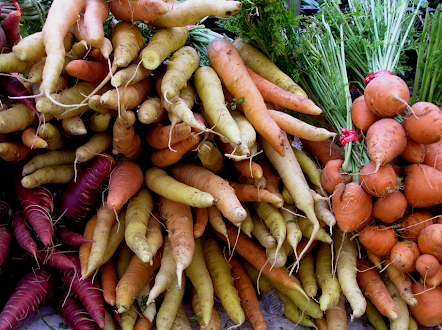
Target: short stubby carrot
[227,62]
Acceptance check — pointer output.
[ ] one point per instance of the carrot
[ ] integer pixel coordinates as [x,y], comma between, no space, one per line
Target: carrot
[16,118]
[95,14]
[379,239]
[167,157]
[51,256]
[122,259]
[85,248]
[378,181]
[119,192]
[214,324]
[387,96]
[433,156]
[256,255]
[60,18]
[414,152]
[67,237]
[210,156]
[86,290]
[126,97]
[332,175]
[71,311]
[91,71]
[131,74]
[422,184]
[37,205]
[424,312]
[423,123]
[183,14]
[51,174]
[152,111]
[249,193]
[390,207]
[141,10]
[30,294]
[436,279]
[52,135]
[21,233]
[413,223]
[274,94]
[351,206]
[179,224]
[402,282]
[5,240]
[386,139]
[100,122]
[203,179]
[136,276]
[14,151]
[361,116]
[11,63]
[324,150]
[11,27]
[30,139]
[374,288]
[158,135]
[404,255]
[201,221]
[125,141]
[429,240]
[228,64]
[143,323]
[96,145]
[427,265]
[248,168]
[50,158]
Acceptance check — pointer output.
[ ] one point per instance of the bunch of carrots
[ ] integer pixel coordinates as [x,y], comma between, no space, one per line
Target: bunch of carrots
[135,169]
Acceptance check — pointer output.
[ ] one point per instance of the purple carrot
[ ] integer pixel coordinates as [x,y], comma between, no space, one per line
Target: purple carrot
[67,237]
[81,194]
[37,205]
[5,243]
[11,26]
[30,294]
[87,290]
[2,39]
[22,233]
[51,256]
[72,312]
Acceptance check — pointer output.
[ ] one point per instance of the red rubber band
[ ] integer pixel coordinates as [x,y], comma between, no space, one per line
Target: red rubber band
[348,136]
[371,76]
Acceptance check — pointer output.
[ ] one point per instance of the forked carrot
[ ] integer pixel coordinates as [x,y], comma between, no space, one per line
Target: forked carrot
[227,62]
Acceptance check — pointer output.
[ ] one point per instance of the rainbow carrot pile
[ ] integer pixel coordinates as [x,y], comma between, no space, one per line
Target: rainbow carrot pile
[144,165]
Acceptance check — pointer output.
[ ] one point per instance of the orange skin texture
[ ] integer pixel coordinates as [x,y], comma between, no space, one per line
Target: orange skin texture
[379,239]
[390,207]
[378,183]
[427,265]
[414,152]
[422,186]
[361,115]
[331,175]
[427,312]
[404,255]
[423,123]
[414,223]
[433,155]
[430,240]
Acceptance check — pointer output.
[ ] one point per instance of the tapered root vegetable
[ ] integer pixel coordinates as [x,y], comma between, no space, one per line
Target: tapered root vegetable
[97,144]
[404,255]
[423,123]
[14,151]
[191,12]
[430,241]
[91,71]
[119,191]
[126,97]
[30,294]
[433,155]
[402,282]
[374,288]
[152,111]
[387,96]
[422,184]
[250,193]
[379,239]
[68,237]
[427,265]
[50,158]
[158,135]
[143,10]
[125,141]
[5,241]
[214,324]
[386,139]
[390,207]
[204,180]
[210,156]
[61,174]
[329,284]
[414,152]
[378,182]
[424,311]
[226,61]
[179,223]
[16,118]
[332,175]
[172,301]
[361,116]
[169,156]
[413,223]
[351,206]
[162,184]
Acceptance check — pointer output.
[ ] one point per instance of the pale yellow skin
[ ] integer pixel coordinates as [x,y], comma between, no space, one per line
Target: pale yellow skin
[129,318]
[288,199]
[264,285]
[116,237]
[99,122]
[50,158]
[294,233]
[95,104]
[151,111]
[132,74]
[154,236]
[248,133]
[210,156]
[52,135]
[124,255]
[170,305]
[306,229]
[139,209]
[247,224]
[262,233]
[16,118]
[216,220]
[73,126]
[309,167]
[199,275]
[60,174]
[181,322]
[292,312]
[278,257]
[307,276]
[214,324]
[163,184]
[109,322]
[163,42]
[222,280]
[403,315]
[147,310]
[374,317]
[210,91]
[327,281]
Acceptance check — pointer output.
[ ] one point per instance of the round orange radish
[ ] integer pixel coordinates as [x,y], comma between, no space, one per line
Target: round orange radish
[404,255]
[430,240]
[387,96]
[423,123]
[379,239]
[390,207]
[361,115]
[378,183]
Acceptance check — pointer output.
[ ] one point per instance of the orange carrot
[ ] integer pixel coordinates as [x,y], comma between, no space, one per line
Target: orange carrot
[246,292]
[379,239]
[125,141]
[430,240]
[271,179]
[351,206]
[108,282]
[201,220]
[433,155]
[402,282]
[427,265]
[390,207]
[126,97]
[85,248]
[404,255]
[248,168]
[413,223]
[95,14]
[374,288]
[425,311]
[203,179]
[31,140]
[423,123]
[256,255]
[143,323]
[91,71]
[361,115]
[141,10]
[227,62]
[250,193]
[324,150]
[302,244]
[14,151]
[379,181]
[158,135]
[436,279]
[274,94]
[167,157]
[422,185]
[125,181]
[332,175]
[414,152]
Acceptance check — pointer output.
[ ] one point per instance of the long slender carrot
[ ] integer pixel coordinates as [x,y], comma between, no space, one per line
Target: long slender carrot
[85,248]
[201,220]
[95,14]
[91,71]
[227,62]
[250,193]
[256,255]
[167,157]
[109,282]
